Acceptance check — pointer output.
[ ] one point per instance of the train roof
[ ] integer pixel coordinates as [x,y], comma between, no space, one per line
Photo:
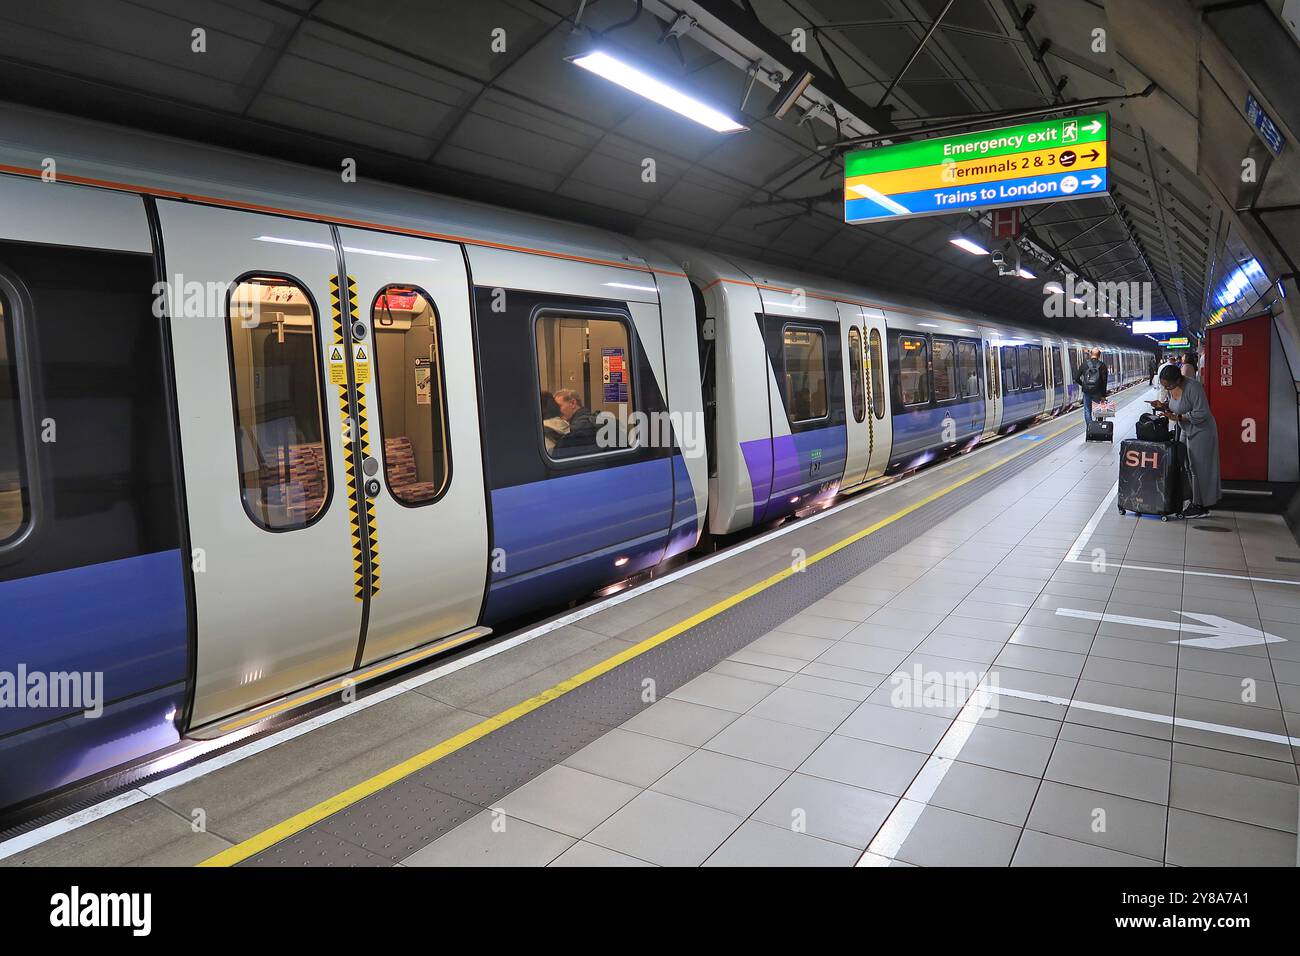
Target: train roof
[906,307]
[103,155]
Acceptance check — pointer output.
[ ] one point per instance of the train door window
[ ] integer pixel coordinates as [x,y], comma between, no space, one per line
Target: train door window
[992,384]
[968,369]
[1031,367]
[804,356]
[1010,376]
[13,486]
[944,363]
[584,368]
[1056,363]
[412,398]
[857,387]
[913,371]
[279,412]
[877,374]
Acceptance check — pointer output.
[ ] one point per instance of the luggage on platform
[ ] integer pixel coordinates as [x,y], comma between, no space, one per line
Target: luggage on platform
[1151,477]
[1099,430]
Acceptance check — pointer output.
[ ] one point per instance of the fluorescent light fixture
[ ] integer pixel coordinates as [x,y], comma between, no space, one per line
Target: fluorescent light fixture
[1154,326]
[1055,288]
[880,199]
[1077,300]
[1025,273]
[927,325]
[643,84]
[974,248]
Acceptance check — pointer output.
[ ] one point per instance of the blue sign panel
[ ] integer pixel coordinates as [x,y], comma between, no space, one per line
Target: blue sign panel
[1030,189]
[1264,126]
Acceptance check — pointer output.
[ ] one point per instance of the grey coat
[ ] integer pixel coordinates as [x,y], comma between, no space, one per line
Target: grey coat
[1202,437]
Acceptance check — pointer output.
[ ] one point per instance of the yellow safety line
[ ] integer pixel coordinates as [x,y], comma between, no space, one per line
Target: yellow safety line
[300,821]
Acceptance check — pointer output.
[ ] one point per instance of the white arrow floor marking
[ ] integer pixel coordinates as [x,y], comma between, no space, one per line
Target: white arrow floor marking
[1222,632]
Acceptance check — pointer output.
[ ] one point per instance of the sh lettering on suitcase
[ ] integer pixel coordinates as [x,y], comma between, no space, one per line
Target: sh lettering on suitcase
[1150,477]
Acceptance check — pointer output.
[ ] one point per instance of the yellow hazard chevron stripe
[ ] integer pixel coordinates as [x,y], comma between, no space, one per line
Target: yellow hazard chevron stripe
[349,456]
[363,440]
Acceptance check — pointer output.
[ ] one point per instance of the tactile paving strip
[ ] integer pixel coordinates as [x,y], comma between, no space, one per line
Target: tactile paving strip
[392,824]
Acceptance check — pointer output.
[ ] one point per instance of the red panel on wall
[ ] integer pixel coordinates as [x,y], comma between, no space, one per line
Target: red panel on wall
[1236,380]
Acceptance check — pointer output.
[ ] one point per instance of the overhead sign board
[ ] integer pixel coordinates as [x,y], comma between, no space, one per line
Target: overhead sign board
[1154,326]
[1015,166]
[1264,126]
[1175,342]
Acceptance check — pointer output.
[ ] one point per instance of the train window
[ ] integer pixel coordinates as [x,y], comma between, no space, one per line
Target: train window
[913,371]
[1031,366]
[804,352]
[1010,377]
[584,367]
[412,399]
[968,369]
[13,487]
[857,388]
[279,413]
[877,374]
[945,370]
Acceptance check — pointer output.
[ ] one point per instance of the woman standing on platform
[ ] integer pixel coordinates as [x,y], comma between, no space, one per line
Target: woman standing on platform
[1189,407]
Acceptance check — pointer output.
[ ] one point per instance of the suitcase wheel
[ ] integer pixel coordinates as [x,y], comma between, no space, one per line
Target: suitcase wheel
[1164,517]
[1122,511]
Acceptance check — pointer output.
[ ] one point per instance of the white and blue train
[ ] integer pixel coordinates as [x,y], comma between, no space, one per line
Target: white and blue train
[265,433]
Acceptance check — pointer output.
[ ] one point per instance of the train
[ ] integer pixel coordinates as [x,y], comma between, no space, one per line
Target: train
[268,433]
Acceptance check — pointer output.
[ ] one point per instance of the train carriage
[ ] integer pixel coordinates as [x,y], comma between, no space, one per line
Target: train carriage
[267,433]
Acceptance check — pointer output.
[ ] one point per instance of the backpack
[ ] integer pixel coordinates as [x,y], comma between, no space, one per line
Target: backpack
[1151,427]
[1090,377]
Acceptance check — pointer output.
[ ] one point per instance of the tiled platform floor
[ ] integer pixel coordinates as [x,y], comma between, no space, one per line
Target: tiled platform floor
[1105,743]
[802,749]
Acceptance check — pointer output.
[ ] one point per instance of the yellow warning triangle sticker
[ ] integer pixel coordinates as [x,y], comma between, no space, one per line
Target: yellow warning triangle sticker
[336,354]
[361,353]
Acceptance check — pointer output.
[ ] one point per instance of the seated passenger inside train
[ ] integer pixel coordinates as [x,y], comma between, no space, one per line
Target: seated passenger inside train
[581,435]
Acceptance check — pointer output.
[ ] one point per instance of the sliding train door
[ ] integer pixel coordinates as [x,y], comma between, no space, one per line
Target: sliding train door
[280,563]
[879,420]
[853,344]
[992,386]
[407,303]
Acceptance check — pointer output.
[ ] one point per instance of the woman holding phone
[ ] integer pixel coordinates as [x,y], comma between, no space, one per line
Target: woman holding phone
[1188,407]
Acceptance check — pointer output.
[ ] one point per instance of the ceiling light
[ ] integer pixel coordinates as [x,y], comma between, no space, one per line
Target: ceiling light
[643,84]
[1025,273]
[1054,287]
[974,248]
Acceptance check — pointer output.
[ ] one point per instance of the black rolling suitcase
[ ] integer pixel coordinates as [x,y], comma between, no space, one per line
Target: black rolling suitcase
[1101,429]
[1151,477]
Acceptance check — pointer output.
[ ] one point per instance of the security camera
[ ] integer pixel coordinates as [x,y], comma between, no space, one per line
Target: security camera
[1007,259]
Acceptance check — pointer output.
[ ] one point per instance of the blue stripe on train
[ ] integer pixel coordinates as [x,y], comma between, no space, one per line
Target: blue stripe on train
[791,471]
[918,433]
[560,537]
[124,620]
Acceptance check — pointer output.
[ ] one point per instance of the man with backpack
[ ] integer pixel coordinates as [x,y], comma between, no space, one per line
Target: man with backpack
[1092,379]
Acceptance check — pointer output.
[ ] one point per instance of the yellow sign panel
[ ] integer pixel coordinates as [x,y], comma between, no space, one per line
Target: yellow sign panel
[361,363]
[1039,162]
[338,366]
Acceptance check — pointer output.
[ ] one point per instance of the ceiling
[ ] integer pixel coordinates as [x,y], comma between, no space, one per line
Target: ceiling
[414,91]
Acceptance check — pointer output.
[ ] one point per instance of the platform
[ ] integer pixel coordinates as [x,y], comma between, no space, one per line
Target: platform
[810,698]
